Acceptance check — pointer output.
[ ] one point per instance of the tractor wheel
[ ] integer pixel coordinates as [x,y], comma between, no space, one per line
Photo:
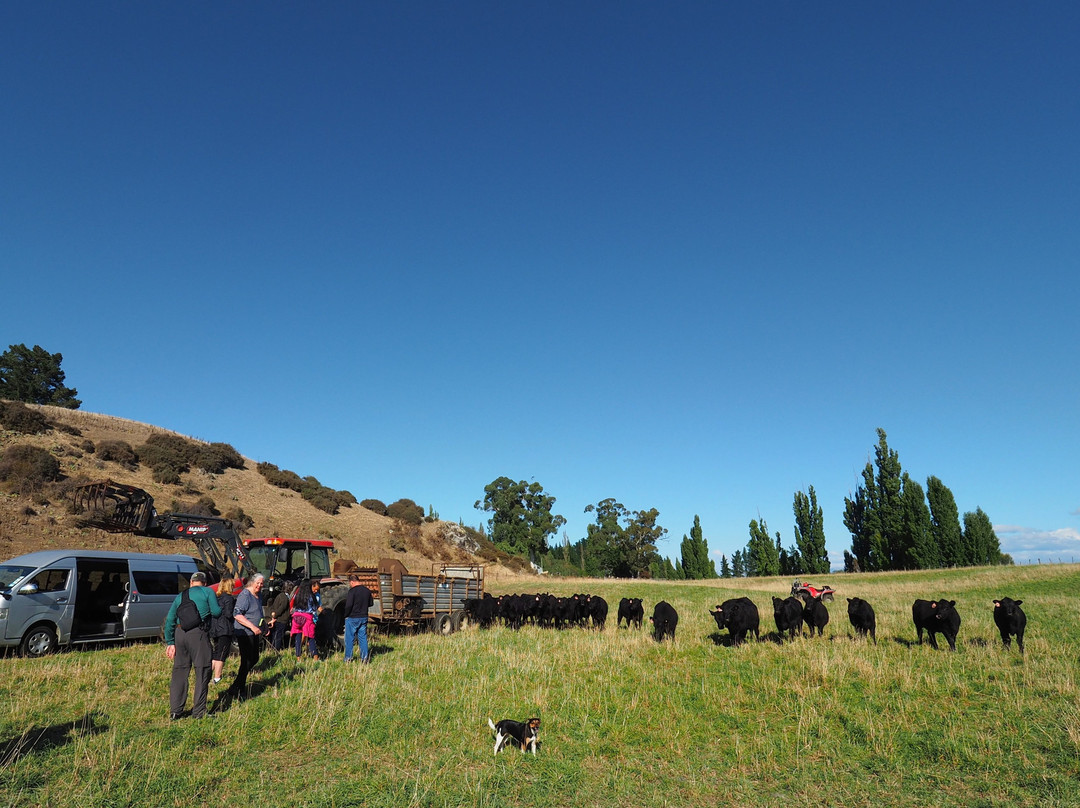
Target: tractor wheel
[442,624]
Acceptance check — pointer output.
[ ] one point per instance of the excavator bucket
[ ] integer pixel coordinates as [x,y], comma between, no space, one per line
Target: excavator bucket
[114,507]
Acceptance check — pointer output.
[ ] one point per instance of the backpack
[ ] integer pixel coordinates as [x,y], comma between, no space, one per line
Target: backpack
[187,613]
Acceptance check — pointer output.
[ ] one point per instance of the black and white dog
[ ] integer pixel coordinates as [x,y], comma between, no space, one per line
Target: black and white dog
[522,733]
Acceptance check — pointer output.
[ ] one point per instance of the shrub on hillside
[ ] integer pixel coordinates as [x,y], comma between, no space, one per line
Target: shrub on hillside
[214,458]
[117,451]
[237,516]
[26,469]
[168,456]
[17,417]
[204,506]
[282,478]
[407,511]
[374,505]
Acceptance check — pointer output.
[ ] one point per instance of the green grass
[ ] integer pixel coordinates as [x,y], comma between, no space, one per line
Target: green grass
[626,722]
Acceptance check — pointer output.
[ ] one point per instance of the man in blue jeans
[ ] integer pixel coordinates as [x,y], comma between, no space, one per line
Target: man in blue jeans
[357,603]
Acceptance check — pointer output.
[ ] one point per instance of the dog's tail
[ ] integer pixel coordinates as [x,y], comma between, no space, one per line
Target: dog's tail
[490,724]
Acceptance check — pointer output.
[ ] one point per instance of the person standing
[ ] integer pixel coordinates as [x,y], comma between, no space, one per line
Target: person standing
[277,614]
[247,618]
[221,627]
[306,607]
[357,602]
[190,648]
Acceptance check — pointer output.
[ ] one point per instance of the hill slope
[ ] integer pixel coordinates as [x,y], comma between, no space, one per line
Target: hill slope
[46,521]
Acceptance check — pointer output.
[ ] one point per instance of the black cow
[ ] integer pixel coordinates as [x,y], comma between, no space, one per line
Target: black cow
[861,615]
[664,619]
[815,615]
[936,616]
[598,610]
[739,616]
[1010,619]
[788,616]
[631,610]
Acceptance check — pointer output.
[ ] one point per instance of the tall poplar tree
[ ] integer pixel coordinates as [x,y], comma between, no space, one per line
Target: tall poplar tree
[945,524]
[920,549]
[762,557]
[980,539]
[810,533]
[875,516]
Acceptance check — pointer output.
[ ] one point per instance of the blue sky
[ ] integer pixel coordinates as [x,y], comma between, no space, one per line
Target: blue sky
[689,255]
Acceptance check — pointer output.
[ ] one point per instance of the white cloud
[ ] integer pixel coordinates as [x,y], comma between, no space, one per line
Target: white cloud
[1031,544]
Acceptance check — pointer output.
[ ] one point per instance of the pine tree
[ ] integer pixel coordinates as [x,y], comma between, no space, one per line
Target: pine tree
[738,564]
[945,524]
[980,539]
[725,567]
[920,550]
[875,516]
[810,533]
[762,557]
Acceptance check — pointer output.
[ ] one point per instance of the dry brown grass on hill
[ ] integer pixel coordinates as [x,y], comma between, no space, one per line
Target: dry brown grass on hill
[28,524]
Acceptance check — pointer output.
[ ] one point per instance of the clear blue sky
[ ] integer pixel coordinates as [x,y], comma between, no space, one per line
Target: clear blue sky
[686,255]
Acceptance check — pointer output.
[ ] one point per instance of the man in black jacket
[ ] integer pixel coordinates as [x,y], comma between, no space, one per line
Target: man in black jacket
[357,603]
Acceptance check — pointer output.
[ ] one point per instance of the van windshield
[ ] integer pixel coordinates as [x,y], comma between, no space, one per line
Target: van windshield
[9,574]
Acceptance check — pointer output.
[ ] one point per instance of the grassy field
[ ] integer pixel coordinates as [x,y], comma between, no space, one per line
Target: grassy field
[626,722]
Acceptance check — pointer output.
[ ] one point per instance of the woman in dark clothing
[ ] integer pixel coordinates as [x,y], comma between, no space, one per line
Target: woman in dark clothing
[247,621]
[221,628]
[305,611]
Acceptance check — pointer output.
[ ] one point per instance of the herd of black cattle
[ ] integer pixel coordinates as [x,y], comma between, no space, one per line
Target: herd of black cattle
[739,616]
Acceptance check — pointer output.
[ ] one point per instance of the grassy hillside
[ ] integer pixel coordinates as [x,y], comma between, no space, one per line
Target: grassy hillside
[626,722]
[32,523]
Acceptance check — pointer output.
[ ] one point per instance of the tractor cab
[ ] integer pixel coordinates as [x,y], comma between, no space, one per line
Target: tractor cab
[289,559]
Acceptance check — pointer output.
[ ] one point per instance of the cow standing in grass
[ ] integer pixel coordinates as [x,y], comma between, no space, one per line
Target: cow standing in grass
[631,610]
[788,614]
[936,616]
[740,617]
[1011,620]
[664,621]
[863,620]
[815,615]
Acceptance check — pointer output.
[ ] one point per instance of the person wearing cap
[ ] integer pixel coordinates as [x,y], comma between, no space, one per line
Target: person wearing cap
[190,649]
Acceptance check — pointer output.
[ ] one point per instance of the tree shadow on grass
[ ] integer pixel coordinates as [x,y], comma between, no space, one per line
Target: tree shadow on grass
[42,739]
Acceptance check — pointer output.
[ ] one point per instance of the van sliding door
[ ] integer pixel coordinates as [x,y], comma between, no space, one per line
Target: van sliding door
[100,597]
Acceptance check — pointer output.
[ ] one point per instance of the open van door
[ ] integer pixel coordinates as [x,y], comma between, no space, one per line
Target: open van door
[100,599]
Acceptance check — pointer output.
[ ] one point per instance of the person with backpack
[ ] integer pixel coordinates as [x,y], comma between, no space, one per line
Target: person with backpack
[187,644]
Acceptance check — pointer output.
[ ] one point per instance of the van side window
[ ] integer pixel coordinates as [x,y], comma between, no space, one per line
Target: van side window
[51,580]
[148,582]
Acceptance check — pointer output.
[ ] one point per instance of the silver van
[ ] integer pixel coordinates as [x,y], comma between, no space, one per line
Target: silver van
[65,597]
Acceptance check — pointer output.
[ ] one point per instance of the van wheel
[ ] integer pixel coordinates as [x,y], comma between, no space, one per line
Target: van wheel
[39,641]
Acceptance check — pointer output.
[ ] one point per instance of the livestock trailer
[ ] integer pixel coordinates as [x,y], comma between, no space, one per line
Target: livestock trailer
[415,601]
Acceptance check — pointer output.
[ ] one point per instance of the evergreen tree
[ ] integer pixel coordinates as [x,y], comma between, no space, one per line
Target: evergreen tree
[810,533]
[670,573]
[738,564]
[33,375]
[695,554]
[725,567]
[762,557]
[875,516]
[945,524]
[851,564]
[980,539]
[920,550]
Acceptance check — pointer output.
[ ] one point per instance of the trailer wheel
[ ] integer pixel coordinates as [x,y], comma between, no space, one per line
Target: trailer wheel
[459,620]
[442,624]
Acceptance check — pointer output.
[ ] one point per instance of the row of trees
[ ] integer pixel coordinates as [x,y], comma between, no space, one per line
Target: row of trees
[894,524]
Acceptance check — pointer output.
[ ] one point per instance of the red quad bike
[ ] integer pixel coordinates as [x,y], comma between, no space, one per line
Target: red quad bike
[807,592]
